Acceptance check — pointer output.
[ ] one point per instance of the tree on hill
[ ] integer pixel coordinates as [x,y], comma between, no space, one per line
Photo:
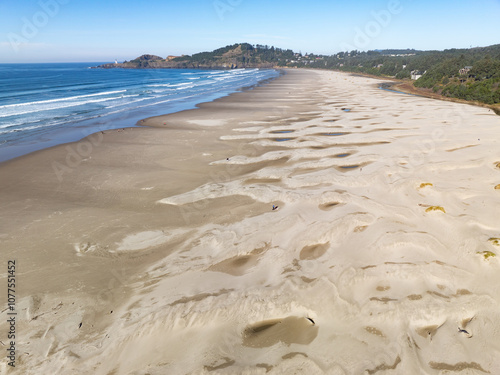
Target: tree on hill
[444,70]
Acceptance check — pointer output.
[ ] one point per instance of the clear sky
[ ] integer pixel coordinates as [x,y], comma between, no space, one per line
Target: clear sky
[105,30]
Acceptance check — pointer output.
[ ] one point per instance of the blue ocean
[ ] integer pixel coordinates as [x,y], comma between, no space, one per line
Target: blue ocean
[42,105]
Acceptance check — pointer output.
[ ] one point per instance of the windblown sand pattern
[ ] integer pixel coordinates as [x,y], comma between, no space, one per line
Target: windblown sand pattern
[381,257]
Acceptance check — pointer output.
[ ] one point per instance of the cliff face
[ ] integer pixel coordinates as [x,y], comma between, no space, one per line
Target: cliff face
[229,57]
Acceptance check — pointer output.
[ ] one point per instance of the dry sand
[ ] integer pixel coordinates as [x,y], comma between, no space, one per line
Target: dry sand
[156,250]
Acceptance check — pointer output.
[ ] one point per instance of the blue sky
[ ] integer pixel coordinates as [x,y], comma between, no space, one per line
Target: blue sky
[105,30]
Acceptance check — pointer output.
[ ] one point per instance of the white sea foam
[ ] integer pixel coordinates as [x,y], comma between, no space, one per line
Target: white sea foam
[60,99]
[170,84]
[27,128]
[37,108]
[126,103]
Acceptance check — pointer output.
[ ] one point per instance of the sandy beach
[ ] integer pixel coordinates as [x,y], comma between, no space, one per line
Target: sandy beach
[158,249]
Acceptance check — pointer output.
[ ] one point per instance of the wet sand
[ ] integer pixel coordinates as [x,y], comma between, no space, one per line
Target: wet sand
[157,250]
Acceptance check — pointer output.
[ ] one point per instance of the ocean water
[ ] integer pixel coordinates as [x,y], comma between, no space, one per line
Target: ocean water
[42,105]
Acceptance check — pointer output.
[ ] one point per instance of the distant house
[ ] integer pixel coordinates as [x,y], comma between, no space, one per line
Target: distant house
[416,74]
[465,70]
[380,65]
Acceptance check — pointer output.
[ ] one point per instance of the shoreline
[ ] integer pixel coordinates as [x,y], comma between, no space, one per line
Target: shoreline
[75,134]
[161,246]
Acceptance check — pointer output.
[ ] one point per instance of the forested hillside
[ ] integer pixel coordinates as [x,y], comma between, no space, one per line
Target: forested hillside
[234,56]
[240,55]
[471,74]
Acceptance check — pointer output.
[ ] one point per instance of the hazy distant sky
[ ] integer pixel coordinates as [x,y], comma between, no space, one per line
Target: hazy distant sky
[105,30]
